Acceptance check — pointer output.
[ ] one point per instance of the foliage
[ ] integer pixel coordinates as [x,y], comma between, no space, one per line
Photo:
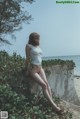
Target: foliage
[12,14]
[69,63]
[15,96]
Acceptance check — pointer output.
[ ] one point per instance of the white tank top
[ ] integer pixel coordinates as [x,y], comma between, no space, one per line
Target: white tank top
[35,54]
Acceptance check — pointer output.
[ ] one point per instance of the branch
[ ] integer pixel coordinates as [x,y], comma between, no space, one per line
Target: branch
[5,41]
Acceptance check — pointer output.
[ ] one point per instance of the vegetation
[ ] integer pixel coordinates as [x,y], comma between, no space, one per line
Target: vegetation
[15,96]
[12,14]
[69,63]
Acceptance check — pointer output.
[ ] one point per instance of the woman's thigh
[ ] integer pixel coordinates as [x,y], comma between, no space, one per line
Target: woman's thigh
[34,73]
[43,75]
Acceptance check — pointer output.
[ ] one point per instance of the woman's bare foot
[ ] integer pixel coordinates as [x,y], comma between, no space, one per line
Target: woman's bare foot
[59,111]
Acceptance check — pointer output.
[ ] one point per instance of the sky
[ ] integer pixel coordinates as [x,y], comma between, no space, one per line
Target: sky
[58,26]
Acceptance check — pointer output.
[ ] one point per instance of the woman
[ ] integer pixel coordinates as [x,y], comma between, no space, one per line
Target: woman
[34,58]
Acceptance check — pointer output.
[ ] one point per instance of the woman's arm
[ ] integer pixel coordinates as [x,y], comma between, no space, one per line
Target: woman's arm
[27,62]
[27,50]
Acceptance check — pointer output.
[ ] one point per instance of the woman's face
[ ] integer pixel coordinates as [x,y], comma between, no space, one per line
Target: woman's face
[37,41]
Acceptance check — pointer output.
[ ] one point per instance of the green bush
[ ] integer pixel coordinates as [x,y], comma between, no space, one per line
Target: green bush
[69,63]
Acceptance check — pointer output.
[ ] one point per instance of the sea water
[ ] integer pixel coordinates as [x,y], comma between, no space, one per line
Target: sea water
[75,58]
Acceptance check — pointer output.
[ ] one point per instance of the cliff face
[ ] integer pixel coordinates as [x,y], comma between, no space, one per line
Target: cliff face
[61,80]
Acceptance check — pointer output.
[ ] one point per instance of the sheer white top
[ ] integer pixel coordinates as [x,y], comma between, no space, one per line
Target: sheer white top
[35,54]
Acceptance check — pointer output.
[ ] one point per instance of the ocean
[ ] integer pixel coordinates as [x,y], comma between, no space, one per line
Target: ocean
[75,58]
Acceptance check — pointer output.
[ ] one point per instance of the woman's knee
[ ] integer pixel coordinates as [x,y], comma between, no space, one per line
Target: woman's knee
[46,83]
[44,86]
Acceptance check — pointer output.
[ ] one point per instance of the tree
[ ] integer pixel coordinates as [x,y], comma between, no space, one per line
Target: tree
[12,14]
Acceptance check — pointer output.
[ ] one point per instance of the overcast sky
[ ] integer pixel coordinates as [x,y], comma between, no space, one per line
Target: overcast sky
[58,26]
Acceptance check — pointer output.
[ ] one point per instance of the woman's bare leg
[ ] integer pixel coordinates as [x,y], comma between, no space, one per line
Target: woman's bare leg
[43,76]
[41,82]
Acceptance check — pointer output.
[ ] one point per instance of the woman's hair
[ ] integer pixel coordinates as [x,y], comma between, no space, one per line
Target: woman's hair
[32,38]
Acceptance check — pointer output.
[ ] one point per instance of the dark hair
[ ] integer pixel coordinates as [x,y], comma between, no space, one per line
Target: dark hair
[32,38]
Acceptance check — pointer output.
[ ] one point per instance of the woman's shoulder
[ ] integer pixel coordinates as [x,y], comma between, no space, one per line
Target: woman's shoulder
[29,45]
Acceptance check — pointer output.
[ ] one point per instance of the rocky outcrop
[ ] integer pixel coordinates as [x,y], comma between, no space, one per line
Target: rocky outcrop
[61,80]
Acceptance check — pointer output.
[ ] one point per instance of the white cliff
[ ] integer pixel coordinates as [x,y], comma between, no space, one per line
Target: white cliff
[62,83]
